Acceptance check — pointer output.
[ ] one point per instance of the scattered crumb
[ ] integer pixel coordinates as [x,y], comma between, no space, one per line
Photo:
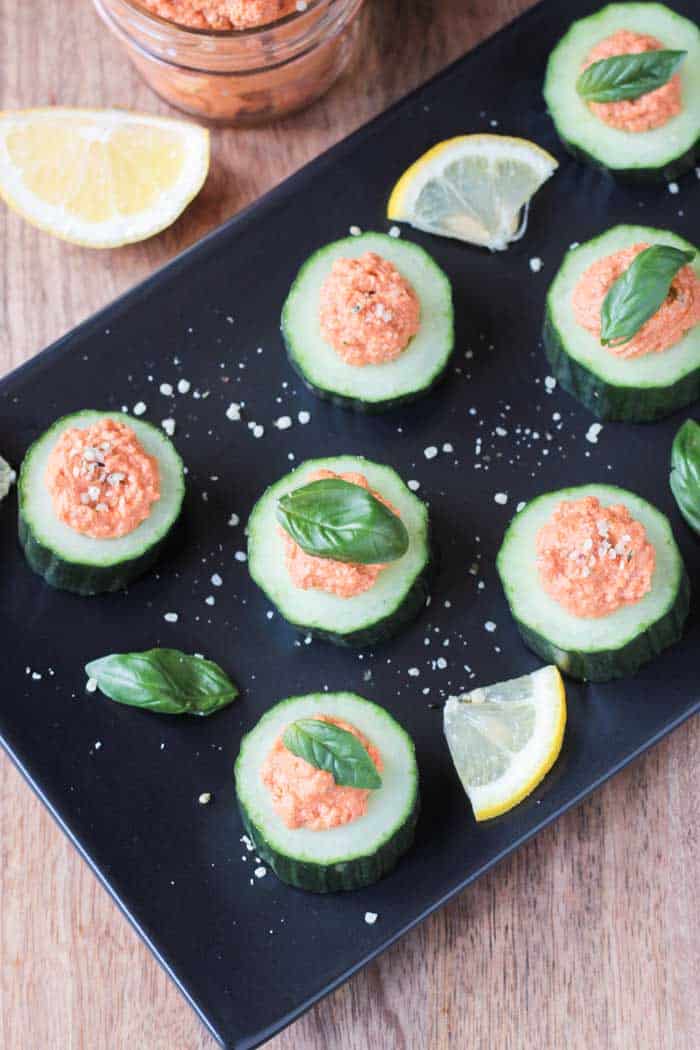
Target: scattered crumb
[535,264]
[139,408]
[490,626]
[205,798]
[371,917]
[501,498]
[171,617]
[430,452]
[168,426]
[593,432]
[91,685]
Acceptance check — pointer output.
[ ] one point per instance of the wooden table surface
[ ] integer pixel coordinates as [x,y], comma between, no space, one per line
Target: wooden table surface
[587,938]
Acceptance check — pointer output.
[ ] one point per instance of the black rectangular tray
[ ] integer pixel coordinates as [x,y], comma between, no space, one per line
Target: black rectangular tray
[252,956]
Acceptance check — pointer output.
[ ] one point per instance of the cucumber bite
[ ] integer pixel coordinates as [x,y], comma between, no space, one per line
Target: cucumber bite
[340,546]
[327,786]
[657,370]
[637,113]
[99,493]
[594,580]
[368,322]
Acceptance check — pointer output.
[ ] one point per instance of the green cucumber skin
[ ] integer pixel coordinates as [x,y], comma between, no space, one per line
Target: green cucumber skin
[353,404]
[332,878]
[82,579]
[608,401]
[605,665]
[666,173]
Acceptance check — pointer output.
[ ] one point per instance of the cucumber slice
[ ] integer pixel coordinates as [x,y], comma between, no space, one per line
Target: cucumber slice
[72,562]
[601,648]
[371,388]
[347,857]
[397,596]
[639,389]
[662,153]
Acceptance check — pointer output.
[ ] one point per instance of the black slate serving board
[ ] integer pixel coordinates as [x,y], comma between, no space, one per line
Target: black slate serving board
[251,957]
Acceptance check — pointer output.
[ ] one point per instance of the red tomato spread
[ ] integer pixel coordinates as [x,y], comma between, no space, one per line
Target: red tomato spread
[594,559]
[221,14]
[368,312]
[651,110]
[679,312]
[344,579]
[102,482]
[306,797]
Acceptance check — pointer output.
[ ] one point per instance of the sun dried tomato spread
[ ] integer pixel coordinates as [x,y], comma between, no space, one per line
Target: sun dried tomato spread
[679,312]
[102,482]
[368,311]
[221,14]
[306,797]
[651,110]
[594,559]
[344,579]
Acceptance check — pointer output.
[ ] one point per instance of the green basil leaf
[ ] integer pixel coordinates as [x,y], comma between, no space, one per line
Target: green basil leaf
[639,292]
[163,680]
[333,518]
[628,76]
[685,472]
[335,750]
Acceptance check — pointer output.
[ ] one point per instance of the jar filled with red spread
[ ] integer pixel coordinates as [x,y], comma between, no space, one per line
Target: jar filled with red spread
[236,61]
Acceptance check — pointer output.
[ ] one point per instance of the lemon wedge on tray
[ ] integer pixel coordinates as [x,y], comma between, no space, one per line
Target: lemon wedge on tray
[505,738]
[100,178]
[473,188]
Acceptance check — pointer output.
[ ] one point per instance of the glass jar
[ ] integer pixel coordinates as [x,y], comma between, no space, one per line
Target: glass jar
[239,76]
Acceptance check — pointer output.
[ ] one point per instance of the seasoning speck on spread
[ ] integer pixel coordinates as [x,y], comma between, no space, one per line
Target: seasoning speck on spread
[592,559]
[101,480]
[368,311]
[306,797]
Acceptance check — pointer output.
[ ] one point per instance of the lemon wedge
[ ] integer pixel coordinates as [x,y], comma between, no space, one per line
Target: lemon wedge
[100,178]
[505,738]
[473,188]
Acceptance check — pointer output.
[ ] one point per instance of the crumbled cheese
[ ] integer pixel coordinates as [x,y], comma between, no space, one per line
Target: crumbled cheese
[216,580]
[413,485]
[233,412]
[241,556]
[371,917]
[166,389]
[171,617]
[490,626]
[394,231]
[535,264]
[501,498]
[168,426]
[183,386]
[283,423]
[673,187]
[593,432]
[430,452]
[210,599]
[139,408]
[205,798]
[413,672]
[304,417]
[355,231]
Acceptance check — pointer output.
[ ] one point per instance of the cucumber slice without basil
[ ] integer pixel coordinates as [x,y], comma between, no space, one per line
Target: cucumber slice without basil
[639,389]
[663,152]
[397,596]
[371,388]
[355,854]
[599,648]
[71,561]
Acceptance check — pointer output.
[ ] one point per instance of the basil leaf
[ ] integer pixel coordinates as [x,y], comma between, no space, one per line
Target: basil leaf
[685,472]
[163,680]
[628,76]
[639,292]
[335,750]
[333,518]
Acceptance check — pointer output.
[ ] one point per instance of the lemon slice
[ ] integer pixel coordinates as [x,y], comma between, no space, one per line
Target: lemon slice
[504,738]
[473,188]
[100,178]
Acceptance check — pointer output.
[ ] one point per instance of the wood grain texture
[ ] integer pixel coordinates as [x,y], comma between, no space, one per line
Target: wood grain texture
[587,938]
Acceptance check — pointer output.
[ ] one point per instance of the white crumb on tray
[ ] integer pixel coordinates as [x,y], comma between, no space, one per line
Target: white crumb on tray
[304,417]
[413,485]
[371,917]
[260,872]
[430,452]
[168,426]
[673,187]
[283,423]
[241,556]
[171,617]
[139,408]
[91,685]
[501,498]
[166,389]
[216,580]
[490,626]
[233,412]
[183,386]
[593,432]
[535,264]
[205,798]
[355,231]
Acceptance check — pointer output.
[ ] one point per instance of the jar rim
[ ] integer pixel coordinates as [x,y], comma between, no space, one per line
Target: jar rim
[218,34]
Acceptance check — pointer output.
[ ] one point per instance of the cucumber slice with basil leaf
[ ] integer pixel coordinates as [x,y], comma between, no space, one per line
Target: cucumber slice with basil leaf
[67,559]
[401,588]
[639,389]
[660,153]
[372,388]
[166,681]
[685,472]
[594,649]
[352,855]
